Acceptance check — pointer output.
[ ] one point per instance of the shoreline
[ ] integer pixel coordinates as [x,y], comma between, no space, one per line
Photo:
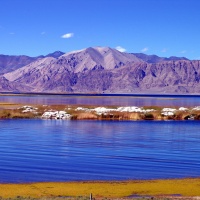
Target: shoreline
[186,187]
[86,112]
[102,94]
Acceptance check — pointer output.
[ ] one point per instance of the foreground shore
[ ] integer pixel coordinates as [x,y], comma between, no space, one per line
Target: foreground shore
[81,112]
[173,189]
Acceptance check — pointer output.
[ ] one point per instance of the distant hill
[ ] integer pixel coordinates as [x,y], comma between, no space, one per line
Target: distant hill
[157,59]
[10,63]
[55,54]
[103,70]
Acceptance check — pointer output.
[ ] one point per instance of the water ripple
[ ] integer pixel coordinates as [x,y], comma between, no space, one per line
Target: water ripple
[39,150]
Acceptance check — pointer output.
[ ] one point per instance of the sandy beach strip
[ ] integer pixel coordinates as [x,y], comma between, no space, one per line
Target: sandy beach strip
[111,189]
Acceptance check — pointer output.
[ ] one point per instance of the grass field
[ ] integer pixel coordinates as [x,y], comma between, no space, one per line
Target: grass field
[17,111]
[172,187]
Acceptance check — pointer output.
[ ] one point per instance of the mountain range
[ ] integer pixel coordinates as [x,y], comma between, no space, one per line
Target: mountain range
[99,70]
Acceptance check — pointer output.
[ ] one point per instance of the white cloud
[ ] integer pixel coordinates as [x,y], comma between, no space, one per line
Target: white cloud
[184,51]
[145,49]
[67,35]
[121,49]
[164,50]
[43,33]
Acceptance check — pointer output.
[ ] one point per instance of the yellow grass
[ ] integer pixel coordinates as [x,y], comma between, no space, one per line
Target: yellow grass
[8,105]
[184,187]
[11,111]
[86,116]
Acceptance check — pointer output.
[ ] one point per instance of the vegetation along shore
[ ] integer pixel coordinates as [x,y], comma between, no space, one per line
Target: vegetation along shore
[81,112]
[173,189]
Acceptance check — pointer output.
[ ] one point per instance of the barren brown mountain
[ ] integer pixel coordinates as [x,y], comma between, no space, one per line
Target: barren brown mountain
[103,70]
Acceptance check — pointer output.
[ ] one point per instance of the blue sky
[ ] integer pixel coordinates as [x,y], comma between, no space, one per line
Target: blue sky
[161,27]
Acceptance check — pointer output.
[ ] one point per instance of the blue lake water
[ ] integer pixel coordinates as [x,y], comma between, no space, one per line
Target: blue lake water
[56,150]
[157,100]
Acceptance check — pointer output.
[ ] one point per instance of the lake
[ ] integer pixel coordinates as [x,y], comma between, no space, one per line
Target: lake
[56,150]
[155,100]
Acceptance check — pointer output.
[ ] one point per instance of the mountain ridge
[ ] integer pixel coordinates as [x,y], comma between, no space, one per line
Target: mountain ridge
[157,59]
[104,70]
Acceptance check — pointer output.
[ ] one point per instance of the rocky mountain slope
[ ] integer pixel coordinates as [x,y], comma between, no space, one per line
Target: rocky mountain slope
[104,70]
[11,63]
[156,59]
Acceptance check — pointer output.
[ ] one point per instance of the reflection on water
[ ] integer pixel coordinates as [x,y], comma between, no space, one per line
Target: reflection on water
[103,100]
[55,150]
